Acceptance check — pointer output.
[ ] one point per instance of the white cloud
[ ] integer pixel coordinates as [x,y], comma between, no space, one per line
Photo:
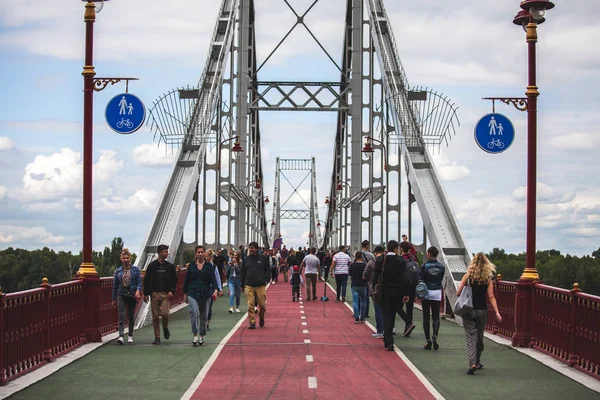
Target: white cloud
[10,234]
[544,193]
[151,155]
[142,200]
[576,141]
[54,176]
[6,143]
[3,192]
[449,170]
[107,166]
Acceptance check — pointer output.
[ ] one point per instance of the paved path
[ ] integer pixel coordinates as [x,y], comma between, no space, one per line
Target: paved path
[307,350]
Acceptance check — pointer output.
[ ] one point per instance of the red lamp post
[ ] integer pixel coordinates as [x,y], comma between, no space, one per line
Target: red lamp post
[532,14]
[87,268]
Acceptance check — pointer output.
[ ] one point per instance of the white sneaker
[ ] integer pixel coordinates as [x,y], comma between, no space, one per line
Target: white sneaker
[130,339]
[201,341]
[237,310]
[195,340]
[230,310]
[120,340]
[377,335]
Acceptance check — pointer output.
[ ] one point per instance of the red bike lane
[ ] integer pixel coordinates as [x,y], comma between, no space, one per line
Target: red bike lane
[308,350]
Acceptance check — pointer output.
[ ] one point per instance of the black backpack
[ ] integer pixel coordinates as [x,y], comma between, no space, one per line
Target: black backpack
[414,271]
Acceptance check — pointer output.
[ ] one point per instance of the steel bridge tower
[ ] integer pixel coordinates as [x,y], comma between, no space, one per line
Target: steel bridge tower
[310,213]
[378,114]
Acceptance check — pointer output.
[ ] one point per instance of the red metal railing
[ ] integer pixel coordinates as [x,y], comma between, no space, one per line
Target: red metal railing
[178,295]
[552,321]
[38,325]
[585,339]
[505,293]
[565,323]
[108,317]
[66,318]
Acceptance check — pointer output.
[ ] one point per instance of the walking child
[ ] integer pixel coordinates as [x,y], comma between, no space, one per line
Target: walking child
[296,280]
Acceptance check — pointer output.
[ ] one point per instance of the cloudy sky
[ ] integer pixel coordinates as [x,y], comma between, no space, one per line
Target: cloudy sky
[467,50]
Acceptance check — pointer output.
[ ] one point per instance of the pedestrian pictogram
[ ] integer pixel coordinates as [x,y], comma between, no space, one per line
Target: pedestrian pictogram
[494,133]
[125,113]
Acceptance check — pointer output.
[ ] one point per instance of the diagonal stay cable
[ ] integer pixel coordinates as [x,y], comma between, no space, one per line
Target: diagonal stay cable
[301,21]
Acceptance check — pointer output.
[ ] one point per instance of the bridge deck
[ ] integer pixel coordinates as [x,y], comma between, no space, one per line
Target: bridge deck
[167,371]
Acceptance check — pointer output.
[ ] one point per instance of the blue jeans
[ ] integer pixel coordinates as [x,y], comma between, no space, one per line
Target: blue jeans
[359,301]
[234,291]
[198,315]
[341,281]
[378,318]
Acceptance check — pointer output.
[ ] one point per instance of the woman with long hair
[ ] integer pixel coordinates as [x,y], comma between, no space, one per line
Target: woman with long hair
[234,273]
[199,288]
[127,290]
[479,277]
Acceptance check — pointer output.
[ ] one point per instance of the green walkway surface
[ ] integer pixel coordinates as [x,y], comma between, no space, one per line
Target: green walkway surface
[507,373]
[139,370]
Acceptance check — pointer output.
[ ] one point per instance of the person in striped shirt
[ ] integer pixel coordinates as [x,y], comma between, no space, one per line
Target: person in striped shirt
[339,271]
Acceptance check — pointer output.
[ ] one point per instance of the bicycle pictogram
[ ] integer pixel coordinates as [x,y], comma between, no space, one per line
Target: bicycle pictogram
[124,122]
[495,143]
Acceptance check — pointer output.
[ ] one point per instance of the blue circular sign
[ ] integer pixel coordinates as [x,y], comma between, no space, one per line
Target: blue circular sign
[125,113]
[494,133]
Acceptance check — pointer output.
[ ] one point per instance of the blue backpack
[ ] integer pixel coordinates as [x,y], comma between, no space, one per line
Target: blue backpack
[421,291]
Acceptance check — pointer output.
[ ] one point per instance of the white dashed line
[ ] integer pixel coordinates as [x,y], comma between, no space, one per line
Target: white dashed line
[309,358]
[301,312]
[312,382]
[305,323]
[305,331]
[301,306]
[306,340]
[303,317]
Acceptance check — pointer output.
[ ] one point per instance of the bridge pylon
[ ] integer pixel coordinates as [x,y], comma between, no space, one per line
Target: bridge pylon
[385,131]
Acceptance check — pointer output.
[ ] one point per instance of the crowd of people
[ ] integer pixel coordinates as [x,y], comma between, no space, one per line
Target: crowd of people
[391,277]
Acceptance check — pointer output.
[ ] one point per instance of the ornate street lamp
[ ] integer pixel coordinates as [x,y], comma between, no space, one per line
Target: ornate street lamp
[532,14]
[235,149]
[368,149]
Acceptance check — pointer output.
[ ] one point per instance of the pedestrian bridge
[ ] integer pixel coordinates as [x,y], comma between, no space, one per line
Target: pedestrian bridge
[57,341]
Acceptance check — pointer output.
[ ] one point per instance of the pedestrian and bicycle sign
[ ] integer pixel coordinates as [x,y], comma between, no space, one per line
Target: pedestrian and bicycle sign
[125,113]
[494,133]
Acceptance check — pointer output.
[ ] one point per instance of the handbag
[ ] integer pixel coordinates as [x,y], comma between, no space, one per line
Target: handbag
[378,287]
[464,303]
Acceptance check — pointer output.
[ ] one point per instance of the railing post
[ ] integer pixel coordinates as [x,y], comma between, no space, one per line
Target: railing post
[523,313]
[495,327]
[92,287]
[573,357]
[2,341]
[47,350]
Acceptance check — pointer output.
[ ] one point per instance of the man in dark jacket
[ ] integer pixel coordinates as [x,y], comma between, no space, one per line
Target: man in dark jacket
[160,283]
[256,271]
[395,284]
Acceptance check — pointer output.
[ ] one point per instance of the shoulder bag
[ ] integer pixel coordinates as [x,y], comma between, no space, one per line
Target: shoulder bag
[378,287]
[464,303]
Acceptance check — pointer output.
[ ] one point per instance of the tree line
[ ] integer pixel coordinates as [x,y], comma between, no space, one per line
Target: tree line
[24,269]
[554,268]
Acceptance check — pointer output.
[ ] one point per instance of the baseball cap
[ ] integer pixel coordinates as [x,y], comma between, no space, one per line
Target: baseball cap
[295,268]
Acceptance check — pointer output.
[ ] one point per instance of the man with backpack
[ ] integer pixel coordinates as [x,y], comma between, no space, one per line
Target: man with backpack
[413,269]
